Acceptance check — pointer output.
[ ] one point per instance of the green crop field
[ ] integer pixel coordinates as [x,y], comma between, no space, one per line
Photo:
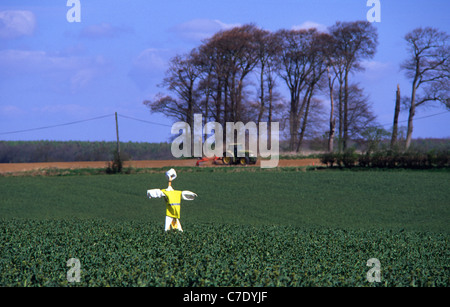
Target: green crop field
[246,228]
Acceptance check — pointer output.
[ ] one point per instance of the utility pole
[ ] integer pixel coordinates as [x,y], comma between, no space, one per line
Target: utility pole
[117,134]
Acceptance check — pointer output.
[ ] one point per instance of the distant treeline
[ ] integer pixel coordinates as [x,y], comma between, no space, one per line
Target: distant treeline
[69,151]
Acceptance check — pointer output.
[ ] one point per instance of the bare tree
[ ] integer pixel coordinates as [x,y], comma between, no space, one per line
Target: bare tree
[205,84]
[181,80]
[353,42]
[226,59]
[236,56]
[335,71]
[168,106]
[267,50]
[428,68]
[331,80]
[214,78]
[318,61]
[295,69]
[360,113]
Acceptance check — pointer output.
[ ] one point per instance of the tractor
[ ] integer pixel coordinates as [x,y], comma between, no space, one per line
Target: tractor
[236,154]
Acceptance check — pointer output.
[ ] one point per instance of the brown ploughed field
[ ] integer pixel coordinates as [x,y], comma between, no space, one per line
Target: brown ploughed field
[24,167]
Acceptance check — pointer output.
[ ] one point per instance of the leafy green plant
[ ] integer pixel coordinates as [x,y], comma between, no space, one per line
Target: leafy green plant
[328,159]
[321,232]
[349,158]
[116,165]
[35,253]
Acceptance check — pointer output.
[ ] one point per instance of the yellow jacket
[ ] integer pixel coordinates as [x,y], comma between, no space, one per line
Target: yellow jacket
[173,199]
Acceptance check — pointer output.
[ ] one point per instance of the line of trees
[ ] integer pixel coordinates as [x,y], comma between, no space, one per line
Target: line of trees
[68,151]
[236,75]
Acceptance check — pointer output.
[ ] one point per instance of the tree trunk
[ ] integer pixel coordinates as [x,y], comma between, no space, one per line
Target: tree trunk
[218,101]
[332,121]
[341,111]
[412,112]
[206,113]
[292,129]
[345,140]
[190,119]
[261,80]
[233,97]
[269,143]
[396,114]
[305,118]
[225,104]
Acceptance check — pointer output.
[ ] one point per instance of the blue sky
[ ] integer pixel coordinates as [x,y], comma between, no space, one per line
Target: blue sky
[54,72]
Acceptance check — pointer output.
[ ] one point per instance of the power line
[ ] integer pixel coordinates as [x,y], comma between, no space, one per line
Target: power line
[59,125]
[153,123]
[144,121]
[417,118]
[79,122]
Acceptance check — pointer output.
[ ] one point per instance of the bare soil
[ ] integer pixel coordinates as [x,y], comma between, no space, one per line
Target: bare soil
[24,167]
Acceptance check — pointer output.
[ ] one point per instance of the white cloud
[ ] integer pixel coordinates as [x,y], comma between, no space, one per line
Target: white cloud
[10,110]
[103,30]
[69,109]
[15,24]
[375,65]
[199,29]
[82,78]
[149,64]
[150,58]
[309,25]
[375,70]
[60,70]
[226,26]
[42,61]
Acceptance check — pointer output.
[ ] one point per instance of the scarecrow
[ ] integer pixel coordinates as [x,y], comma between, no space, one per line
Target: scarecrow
[173,200]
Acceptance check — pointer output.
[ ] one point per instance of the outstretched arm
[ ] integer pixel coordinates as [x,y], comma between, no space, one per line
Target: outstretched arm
[188,195]
[155,193]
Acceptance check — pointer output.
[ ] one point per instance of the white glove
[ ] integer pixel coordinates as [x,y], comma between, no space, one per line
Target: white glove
[154,193]
[188,195]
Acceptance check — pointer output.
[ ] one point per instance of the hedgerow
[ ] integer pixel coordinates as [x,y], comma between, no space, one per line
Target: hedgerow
[388,159]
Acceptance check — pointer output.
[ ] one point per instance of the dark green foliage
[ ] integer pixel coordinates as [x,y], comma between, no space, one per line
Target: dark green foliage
[328,159]
[389,159]
[35,253]
[56,151]
[265,228]
[349,158]
[414,200]
[116,165]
